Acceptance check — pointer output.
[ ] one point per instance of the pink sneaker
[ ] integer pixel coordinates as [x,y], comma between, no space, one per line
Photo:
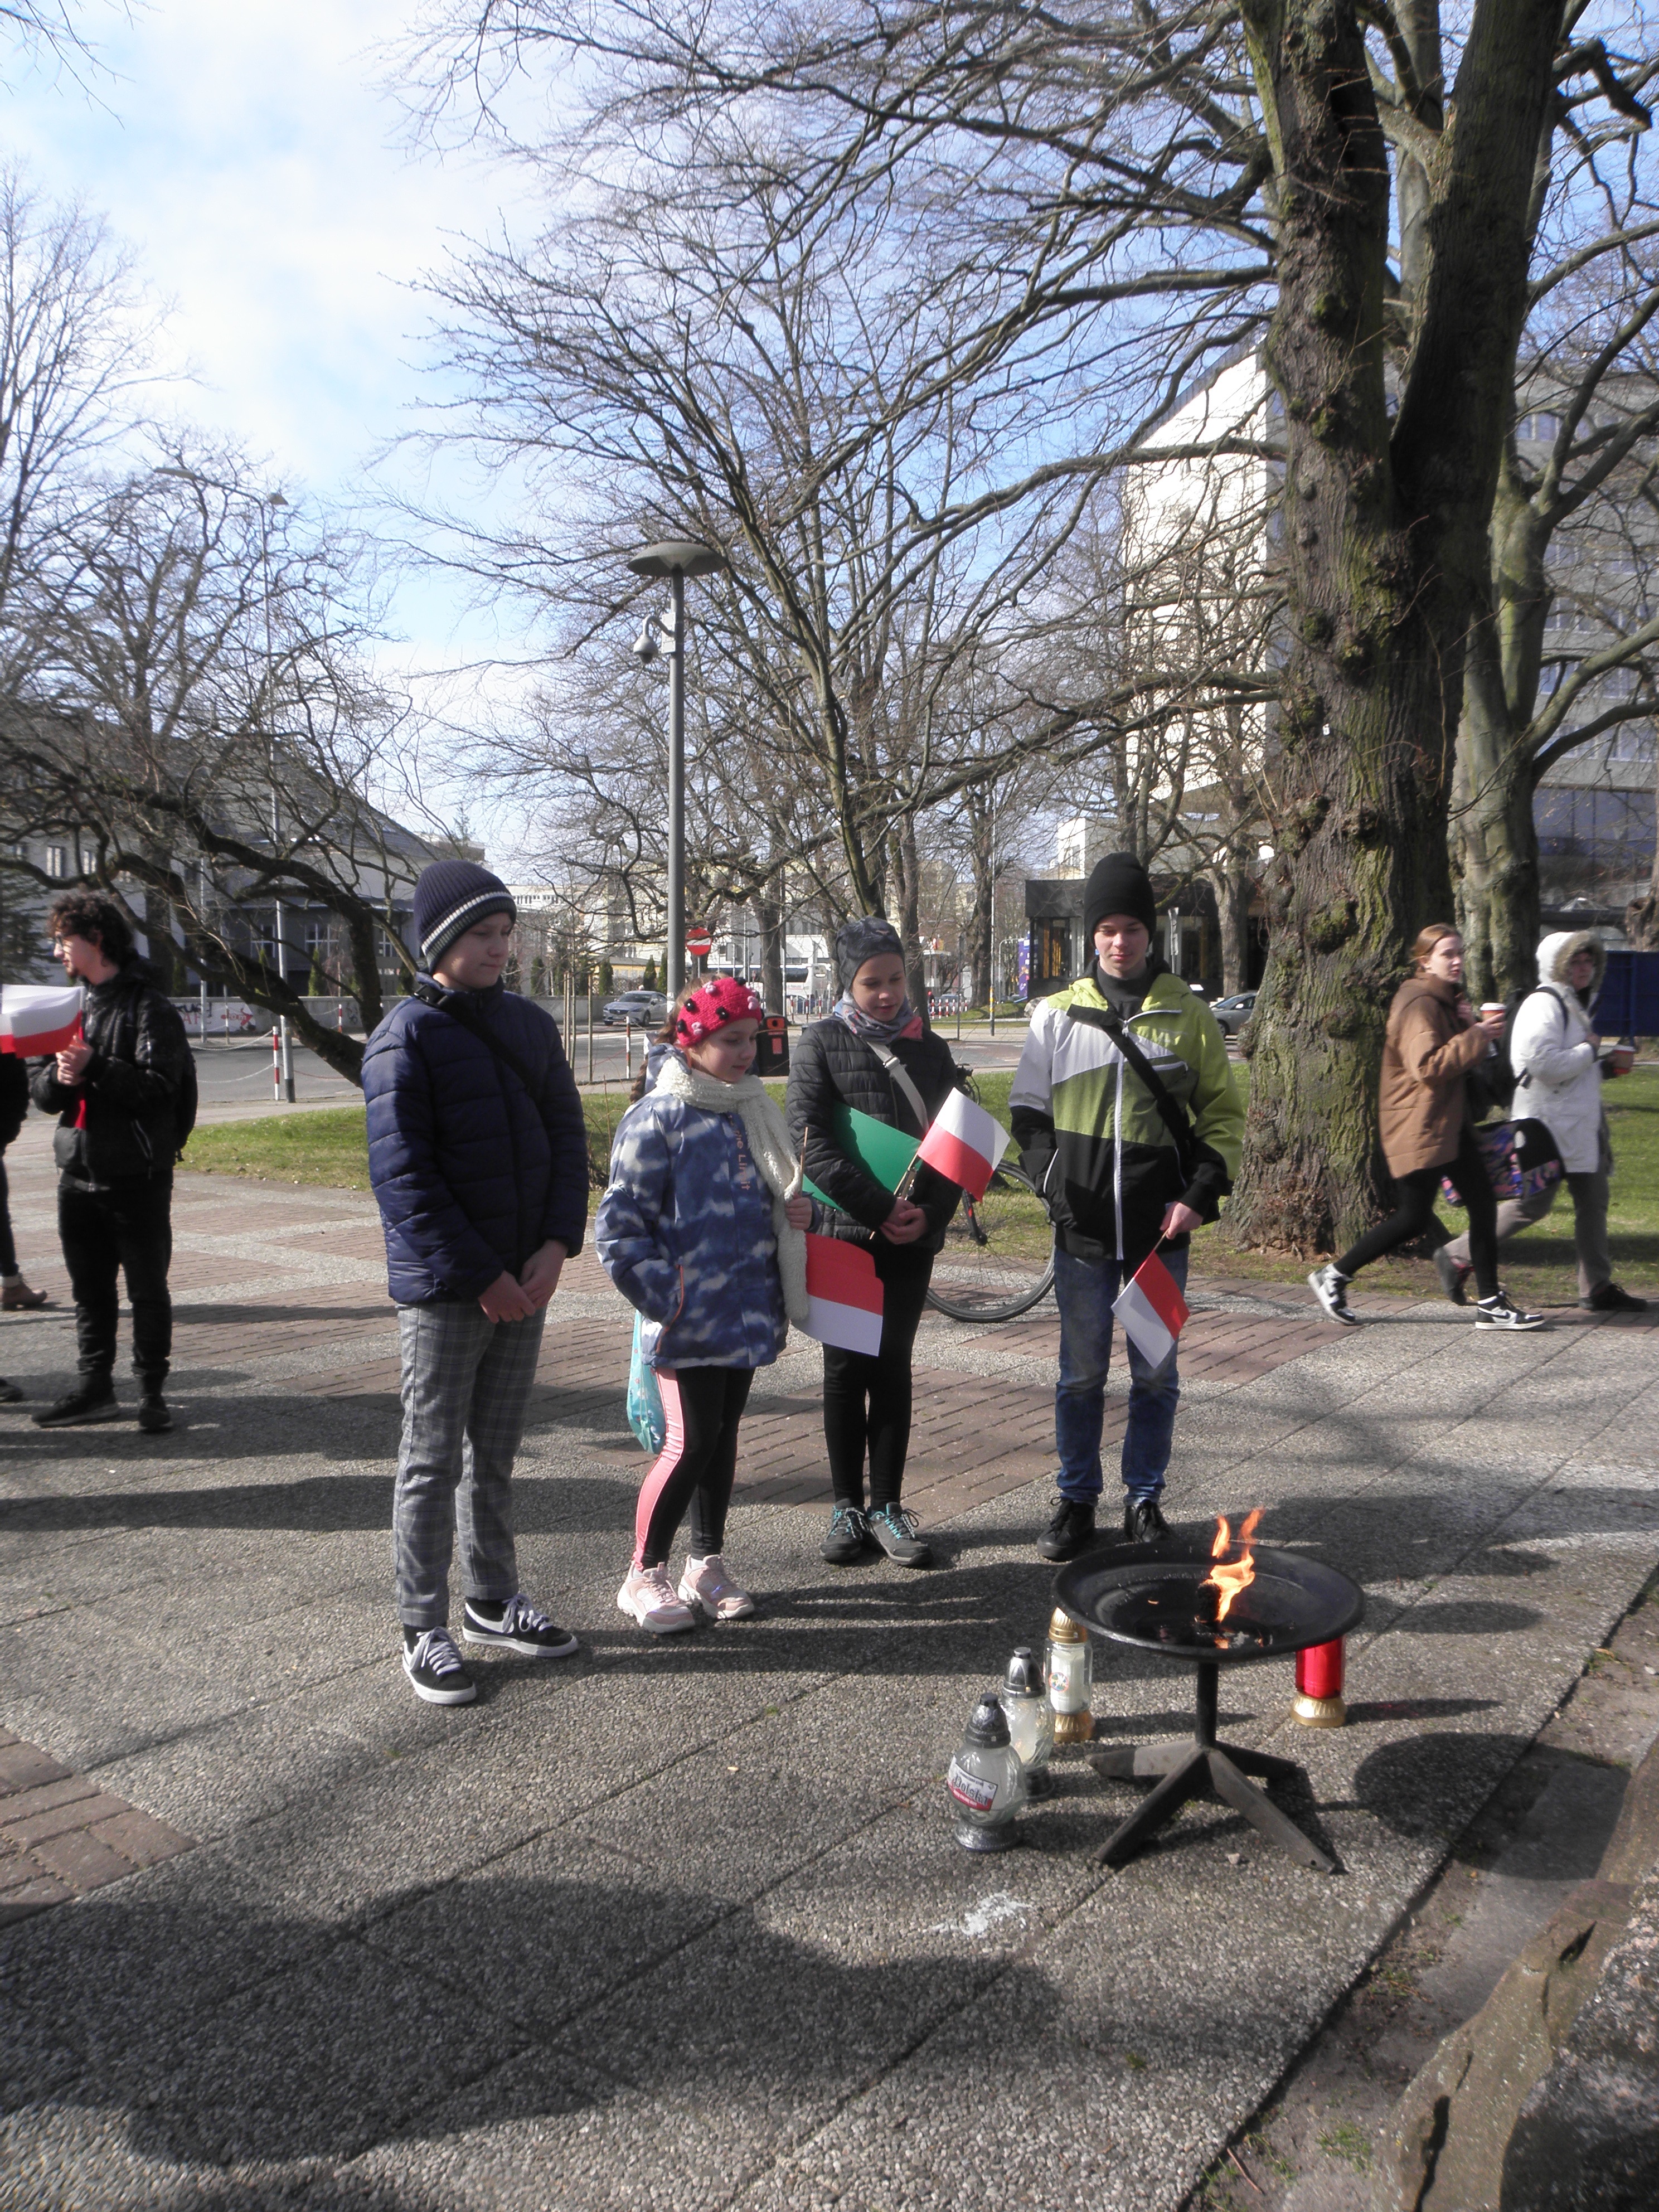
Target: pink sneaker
[648,1596]
[706,1585]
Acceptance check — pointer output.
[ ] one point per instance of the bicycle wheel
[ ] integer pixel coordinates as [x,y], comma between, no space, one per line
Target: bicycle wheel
[999,1255]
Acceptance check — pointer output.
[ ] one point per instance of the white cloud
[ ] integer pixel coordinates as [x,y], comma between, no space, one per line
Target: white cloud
[246,153]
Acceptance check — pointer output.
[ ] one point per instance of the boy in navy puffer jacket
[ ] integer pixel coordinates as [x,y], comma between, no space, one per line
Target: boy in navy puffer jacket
[701,1231]
[478,1152]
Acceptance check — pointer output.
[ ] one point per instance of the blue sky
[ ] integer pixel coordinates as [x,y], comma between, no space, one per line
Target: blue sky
[245,151]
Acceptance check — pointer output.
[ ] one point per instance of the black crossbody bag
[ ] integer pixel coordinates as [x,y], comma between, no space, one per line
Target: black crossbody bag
[1174,1116]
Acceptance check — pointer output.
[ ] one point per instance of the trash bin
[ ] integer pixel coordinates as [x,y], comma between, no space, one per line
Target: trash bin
[772,1046]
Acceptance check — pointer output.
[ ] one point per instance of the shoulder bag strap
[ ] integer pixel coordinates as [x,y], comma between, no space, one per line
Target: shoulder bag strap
[891,1062]
[503,1053]
[1174,1117]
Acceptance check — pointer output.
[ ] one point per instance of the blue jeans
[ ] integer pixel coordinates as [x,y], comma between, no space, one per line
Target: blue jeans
[1083,1291]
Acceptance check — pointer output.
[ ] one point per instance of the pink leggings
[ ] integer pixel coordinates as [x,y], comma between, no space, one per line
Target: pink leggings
[697,1463]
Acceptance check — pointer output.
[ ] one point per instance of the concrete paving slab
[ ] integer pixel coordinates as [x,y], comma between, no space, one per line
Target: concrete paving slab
[700,1892]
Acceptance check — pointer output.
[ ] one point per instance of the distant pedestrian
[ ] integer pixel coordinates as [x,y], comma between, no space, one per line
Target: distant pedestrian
[698,1231]
[125,1098]
[1130,1123]
[875,1054]
[1560,1063]
[478,1152]
[1433,1043]
[16,1296]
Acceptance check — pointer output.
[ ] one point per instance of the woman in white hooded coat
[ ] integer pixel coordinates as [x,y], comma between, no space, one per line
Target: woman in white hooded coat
[1557,1058]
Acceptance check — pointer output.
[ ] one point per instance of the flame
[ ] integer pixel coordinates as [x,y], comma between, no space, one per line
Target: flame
[1232,1577]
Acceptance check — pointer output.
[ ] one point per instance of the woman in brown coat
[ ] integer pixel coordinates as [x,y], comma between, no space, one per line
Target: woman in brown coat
[1433,1042]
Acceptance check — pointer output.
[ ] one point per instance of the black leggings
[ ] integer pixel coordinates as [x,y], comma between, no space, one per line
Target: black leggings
[866,1400]
[697,1464]
[1414,1215]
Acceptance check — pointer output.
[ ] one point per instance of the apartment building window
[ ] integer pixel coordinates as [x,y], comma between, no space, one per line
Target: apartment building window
[1539,428]
[57,859]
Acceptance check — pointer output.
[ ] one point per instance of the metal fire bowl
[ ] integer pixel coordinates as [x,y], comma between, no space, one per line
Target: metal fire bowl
[1146,1595]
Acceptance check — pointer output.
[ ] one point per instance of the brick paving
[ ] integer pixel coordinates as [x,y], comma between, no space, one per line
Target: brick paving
[61,1835]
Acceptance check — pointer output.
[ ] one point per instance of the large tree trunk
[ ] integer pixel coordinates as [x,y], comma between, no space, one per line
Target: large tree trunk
[769,912]
[906,875]
[1642,915]
[1386,541]
[1494,846]
[1232,887]
[1494,849]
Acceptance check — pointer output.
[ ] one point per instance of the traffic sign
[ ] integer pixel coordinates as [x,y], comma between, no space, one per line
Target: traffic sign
[698,942]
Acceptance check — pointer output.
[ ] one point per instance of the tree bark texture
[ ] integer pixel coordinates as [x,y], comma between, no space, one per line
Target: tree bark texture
[1386,541]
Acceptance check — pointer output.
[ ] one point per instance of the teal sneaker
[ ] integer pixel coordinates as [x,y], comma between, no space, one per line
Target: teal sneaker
[894,1527]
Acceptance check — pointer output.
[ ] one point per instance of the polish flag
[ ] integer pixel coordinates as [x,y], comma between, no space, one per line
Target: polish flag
[1151,1310]
[844,1293]
[37,1019]
[965,1143]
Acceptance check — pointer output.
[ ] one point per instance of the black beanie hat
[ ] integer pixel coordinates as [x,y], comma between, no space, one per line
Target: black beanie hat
[1118,884]
[450,896]
[866,936]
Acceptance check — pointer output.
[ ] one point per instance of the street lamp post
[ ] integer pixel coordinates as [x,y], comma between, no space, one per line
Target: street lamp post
[676,558]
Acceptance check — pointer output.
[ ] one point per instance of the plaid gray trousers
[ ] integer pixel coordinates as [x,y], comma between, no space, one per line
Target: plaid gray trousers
[466,1388]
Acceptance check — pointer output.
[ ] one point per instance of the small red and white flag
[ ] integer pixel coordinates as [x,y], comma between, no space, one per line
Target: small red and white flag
[844,1292]
[964,1143]
[37,1019]
[1151,1310]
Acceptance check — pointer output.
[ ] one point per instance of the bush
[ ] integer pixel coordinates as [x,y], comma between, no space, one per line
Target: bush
[607,980]
[648,980]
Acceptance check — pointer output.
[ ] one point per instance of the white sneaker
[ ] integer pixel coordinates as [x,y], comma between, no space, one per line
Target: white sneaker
[648,1596]
[1332,1291]
[707,1587]
[1501,1313]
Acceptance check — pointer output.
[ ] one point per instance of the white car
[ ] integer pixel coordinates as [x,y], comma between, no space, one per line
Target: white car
[646,1009]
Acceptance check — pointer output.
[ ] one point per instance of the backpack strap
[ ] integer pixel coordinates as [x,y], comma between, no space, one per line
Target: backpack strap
[1174,1114]
[1525,1075]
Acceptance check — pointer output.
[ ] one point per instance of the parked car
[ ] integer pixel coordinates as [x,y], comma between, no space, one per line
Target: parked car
[646,1009]
[1233,1013]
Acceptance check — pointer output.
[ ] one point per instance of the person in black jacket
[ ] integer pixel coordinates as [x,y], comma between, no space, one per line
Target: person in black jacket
[875,1053]
[478,1152]
[13,1105]
[117,1096]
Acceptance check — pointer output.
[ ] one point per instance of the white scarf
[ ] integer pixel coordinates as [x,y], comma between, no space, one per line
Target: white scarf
[768,1140]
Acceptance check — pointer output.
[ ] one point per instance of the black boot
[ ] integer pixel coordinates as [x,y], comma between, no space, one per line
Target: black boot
[1070,1531]
[155,1416]
[1143,1521]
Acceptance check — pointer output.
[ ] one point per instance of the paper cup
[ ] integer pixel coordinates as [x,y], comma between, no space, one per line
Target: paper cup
[1622,1059]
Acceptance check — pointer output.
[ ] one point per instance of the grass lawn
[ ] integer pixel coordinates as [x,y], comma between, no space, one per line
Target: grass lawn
[328,1146]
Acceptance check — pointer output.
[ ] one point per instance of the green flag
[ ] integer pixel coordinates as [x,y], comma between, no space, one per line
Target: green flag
[881,1150]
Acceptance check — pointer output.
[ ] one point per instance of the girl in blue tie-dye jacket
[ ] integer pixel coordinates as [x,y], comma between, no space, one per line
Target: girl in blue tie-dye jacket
[701,1228]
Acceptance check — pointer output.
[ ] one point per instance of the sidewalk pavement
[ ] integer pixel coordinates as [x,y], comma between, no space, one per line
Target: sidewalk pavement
[681,1922]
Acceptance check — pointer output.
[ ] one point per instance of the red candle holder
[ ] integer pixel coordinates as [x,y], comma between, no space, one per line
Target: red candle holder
[1319,1685]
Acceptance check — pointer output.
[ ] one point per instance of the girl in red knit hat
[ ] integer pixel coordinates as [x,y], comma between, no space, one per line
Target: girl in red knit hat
[701,1230]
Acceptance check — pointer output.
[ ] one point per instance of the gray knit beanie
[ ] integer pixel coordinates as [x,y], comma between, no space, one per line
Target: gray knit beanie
[865,938]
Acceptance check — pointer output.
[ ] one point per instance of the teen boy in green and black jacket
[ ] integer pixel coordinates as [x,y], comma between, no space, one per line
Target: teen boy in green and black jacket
[1102,1152]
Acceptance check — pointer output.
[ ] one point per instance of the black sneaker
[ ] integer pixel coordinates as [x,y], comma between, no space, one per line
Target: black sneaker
[435,1670]
[848,1536]
[521,1627]
[1502,1312]
[1143,1521]
[894,1527]
[1608,1298]
[1070,1531]
[10,1393]
[1452,1276]
[155,1416]
[93,1402]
